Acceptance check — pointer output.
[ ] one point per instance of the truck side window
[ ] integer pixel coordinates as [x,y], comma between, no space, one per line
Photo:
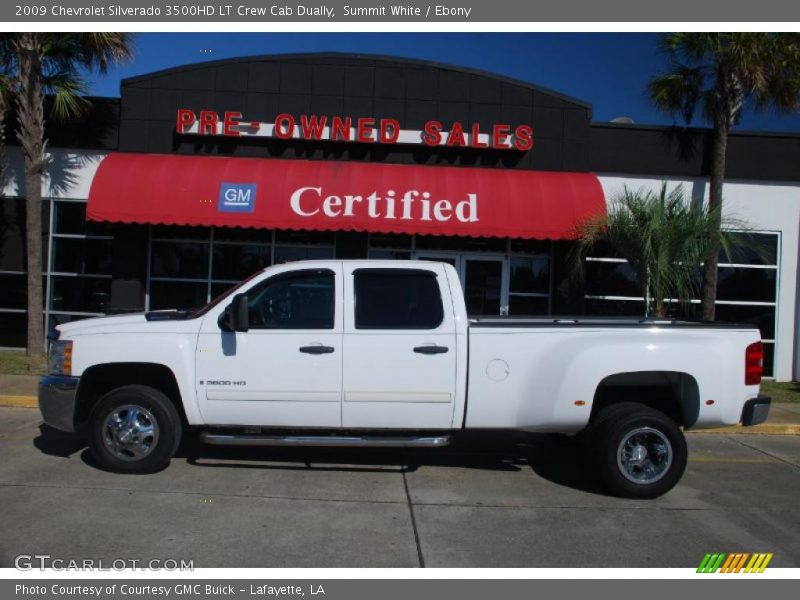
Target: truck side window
[296,300]
[397,299]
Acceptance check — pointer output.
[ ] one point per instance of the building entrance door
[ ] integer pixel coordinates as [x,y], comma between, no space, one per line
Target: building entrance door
[484,279]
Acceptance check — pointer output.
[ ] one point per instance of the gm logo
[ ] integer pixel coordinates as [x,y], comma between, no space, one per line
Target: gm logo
[237,197]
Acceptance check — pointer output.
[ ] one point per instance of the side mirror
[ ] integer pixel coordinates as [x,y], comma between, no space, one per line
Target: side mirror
[240,314]
[236,316]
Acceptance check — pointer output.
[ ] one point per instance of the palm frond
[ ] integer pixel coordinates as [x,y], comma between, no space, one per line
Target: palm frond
[663,237]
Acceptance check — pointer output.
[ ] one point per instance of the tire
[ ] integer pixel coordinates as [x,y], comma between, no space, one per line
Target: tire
[640,452]
[134,429]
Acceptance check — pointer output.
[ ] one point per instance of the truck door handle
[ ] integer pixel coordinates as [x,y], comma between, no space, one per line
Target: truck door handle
[431,349]
[317,349]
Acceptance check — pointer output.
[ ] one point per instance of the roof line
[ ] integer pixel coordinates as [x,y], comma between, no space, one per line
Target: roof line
[694,129]
[362,55]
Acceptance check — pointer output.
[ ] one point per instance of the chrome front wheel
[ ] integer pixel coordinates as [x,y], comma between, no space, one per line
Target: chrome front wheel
[130,432]
[134,429]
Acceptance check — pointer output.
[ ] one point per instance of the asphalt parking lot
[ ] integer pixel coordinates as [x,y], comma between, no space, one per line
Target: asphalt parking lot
[517,501]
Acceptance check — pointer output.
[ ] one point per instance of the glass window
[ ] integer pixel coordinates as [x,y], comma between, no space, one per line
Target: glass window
[527,305]
[397,299]
[82,255]
[13,291]
[615,308]
[762,317]
[81,294]
[390,240]
[602,249]
[483,286]
[70,218]
[284,254]
[530,274]
[181,232]
[217,289]
[234,262]
[13,329]
[242,234]
[611,279]
[456,243]
[177,294]
[531,246]
[297,300]
[769,360]
[751,285]
[12,234]
[311,238]
[389,254]
[183,260]
[757,249]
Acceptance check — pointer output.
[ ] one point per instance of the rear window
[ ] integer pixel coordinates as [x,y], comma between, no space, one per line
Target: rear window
[397,299]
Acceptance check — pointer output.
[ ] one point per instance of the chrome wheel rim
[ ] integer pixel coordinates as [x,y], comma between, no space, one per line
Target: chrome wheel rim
[130,432]
[644,455]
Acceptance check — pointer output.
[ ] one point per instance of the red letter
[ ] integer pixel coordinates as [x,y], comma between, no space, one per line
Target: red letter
[499,134]
[365,128]
[390,131]
[524,138]
[186,119]
[312,126]
[208,122]
[288,131]
[475,139]
[230,124]
[341,128]
[456,137]
[432,135]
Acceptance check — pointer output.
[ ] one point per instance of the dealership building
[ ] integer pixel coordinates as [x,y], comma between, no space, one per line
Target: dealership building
[196,177]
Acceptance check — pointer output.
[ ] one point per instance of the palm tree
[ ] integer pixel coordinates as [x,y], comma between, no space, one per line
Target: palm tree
[663,237]
[719,74]
[5,97]
[49,64]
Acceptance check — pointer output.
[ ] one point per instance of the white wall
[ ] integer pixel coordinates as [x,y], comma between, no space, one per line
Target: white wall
[765,206]
[69,174]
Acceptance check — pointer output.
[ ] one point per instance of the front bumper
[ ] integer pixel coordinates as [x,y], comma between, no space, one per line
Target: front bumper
[57,395]
[756,410]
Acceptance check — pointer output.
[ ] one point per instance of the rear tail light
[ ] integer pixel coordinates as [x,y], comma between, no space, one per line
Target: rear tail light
[753,363]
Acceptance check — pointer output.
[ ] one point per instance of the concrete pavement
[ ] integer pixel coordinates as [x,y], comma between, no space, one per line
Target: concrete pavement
[513,501]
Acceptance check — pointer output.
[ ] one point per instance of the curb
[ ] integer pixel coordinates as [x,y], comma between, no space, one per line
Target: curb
[19,401]
[763,429]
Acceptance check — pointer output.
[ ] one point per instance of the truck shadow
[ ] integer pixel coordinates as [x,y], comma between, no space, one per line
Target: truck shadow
[556,459]
[58,443]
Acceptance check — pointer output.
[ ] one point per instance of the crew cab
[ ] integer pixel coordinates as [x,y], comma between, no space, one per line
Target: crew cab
[383,353]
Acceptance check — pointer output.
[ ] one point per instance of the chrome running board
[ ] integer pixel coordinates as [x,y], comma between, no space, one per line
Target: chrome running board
[324,441]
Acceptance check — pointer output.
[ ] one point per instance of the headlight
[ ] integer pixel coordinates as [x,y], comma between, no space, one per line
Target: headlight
[59,359]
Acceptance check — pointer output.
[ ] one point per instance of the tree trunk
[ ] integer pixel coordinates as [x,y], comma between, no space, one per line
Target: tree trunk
[660,310]
[718,155]
[31,138]
[3,113]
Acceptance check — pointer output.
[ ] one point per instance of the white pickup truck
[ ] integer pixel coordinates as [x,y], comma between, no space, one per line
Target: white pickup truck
[382,353]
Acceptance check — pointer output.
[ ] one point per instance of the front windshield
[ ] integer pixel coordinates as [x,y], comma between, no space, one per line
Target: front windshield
[204,309]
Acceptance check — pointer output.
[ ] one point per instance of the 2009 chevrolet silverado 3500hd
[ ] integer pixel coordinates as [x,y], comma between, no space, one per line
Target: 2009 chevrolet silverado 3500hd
[382,353]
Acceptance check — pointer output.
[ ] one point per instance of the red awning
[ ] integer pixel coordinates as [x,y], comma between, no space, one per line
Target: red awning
[338,195]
